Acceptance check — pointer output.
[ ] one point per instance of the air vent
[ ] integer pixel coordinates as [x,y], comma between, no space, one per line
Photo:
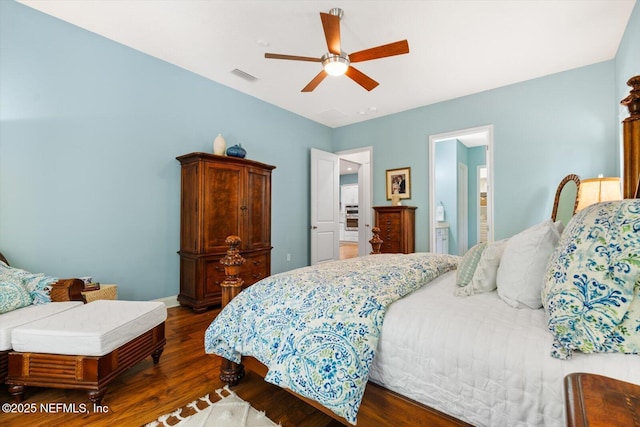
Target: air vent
[248,77]
[332,114]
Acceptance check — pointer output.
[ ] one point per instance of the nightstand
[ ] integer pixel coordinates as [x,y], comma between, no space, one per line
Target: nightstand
[595,400]
[105,292]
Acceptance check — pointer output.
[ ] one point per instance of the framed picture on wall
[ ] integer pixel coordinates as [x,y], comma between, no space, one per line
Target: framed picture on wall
[399,183]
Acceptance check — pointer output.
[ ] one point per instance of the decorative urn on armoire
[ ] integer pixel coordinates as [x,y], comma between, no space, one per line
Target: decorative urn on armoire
[236,151]
[219,145]
[221,197]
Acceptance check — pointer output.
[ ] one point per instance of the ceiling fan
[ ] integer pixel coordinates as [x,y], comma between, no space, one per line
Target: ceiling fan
[336,62]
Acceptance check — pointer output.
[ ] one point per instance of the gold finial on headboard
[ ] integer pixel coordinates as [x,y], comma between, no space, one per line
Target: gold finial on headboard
[632,102]
[631,142]
[375,241]
[232,261]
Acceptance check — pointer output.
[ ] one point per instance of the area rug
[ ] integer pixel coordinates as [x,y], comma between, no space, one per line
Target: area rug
[229,411]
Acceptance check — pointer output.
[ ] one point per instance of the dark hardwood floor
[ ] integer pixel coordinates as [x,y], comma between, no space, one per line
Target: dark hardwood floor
[145,391]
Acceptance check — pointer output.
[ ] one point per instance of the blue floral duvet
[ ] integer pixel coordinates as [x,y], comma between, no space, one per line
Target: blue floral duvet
[317,328]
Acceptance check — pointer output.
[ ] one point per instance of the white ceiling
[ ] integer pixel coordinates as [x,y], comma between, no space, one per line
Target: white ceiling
[457,47]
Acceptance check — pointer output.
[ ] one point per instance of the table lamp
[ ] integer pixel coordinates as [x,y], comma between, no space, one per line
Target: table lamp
[596,190]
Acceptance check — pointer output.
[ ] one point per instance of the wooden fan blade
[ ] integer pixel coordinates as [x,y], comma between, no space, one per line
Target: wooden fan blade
[362,79]
[331,25]
[291,57]
[391,49]
[315,82]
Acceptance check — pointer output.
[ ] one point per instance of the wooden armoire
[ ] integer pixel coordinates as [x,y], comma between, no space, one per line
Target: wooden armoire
[397,228]
[221,196]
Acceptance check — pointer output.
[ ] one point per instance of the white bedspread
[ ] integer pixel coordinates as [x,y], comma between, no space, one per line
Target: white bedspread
[480,360]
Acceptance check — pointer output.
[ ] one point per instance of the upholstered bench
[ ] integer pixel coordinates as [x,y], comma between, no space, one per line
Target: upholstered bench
[12,319]
[85,347]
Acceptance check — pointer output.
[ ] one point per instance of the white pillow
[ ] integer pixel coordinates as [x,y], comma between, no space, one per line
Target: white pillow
[524,264]
[484,276]
[484,279]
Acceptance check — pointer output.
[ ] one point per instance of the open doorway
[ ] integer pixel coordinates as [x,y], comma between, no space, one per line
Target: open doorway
[349,208]
[329,223]
[481,173]
[355,179]
[460,203]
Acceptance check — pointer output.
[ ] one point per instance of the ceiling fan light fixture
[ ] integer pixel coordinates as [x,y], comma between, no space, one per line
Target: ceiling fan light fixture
[335,65]
[336,62]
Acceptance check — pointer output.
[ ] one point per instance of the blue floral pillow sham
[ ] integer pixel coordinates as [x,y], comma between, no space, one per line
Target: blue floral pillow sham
[592,289]
[37,284]
[13,296]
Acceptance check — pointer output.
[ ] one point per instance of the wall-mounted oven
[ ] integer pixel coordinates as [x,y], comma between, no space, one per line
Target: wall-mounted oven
[351,217]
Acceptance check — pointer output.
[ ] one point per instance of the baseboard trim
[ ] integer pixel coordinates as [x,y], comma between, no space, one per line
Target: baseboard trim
[171,301]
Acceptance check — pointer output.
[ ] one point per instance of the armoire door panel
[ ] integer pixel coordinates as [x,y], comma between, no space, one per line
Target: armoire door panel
[258,212]
[221,204]
[189,209]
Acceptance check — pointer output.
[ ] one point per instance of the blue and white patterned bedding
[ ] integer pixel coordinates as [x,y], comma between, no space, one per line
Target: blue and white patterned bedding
[37,284]
[317,328]
[592,290]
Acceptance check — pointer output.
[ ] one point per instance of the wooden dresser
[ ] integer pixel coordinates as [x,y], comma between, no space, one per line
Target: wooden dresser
[595,400]
[397,228]
[221,196]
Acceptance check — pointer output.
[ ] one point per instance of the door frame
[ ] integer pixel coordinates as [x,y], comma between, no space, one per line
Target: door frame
[364,157]
[433,139]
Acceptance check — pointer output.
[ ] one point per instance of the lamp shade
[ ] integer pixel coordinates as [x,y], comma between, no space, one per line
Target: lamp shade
[596,190]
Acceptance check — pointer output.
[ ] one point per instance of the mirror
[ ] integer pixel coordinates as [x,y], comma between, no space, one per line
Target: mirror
[566,200]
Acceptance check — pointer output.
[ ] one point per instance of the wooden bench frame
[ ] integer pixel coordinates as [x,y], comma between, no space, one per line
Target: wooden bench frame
[62,290]
[91,373]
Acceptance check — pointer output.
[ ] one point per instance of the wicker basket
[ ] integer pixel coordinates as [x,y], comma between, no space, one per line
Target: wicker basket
[105,292]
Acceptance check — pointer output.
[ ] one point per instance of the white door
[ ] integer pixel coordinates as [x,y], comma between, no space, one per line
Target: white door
[325,221]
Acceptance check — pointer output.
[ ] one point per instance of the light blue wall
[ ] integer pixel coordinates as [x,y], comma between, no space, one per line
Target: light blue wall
[89,133]
[350,178]
[544,129]
[462,158]
[628,56]
[446,187]
[476,158]
[448,155]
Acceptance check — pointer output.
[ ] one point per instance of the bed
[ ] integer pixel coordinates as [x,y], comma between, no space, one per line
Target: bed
[489,342]
[452,353]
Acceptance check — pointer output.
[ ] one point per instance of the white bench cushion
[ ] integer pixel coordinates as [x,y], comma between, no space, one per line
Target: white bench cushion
[94,329]
[15,318]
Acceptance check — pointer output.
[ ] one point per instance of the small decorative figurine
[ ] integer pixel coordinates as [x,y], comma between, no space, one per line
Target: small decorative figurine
[236,151]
